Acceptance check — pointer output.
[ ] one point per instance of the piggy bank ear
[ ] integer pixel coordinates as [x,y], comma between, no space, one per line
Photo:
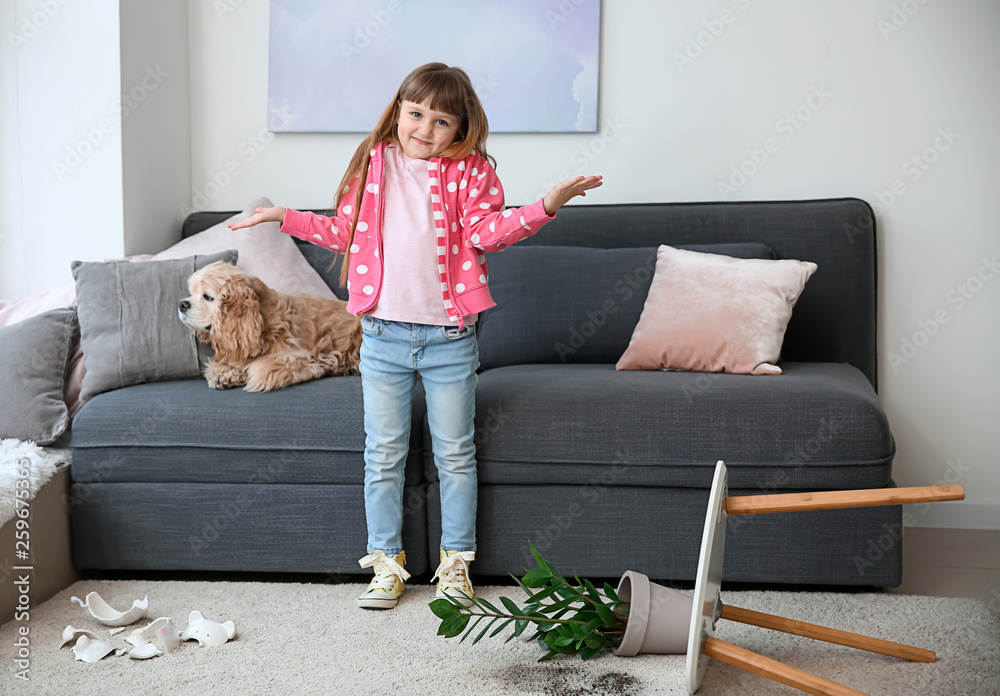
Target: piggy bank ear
[194,616]
[230,628]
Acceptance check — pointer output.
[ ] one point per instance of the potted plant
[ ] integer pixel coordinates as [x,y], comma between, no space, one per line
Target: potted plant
[638,616]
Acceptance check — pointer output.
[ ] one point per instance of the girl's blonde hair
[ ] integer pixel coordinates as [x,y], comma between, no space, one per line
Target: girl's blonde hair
[447,89]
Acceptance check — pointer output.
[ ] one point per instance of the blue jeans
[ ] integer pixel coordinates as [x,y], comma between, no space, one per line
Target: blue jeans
[392,353]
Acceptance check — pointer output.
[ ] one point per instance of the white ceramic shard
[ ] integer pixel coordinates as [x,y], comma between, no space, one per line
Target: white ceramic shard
[115,631]
[144,652]
[207,632]
[70,634]
[91,649]
[162,628]
[108,615]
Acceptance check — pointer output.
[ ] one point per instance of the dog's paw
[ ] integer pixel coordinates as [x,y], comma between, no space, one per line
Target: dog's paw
[225,378]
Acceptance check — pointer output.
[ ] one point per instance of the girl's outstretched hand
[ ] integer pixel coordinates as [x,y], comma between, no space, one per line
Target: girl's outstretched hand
[563,192]
[276,214]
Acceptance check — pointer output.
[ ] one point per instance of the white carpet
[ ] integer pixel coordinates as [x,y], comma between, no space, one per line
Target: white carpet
[312,639]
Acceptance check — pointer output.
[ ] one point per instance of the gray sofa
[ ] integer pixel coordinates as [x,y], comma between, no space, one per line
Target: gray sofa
[604,470]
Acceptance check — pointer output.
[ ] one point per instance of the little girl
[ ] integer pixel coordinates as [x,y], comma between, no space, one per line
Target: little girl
[417,209]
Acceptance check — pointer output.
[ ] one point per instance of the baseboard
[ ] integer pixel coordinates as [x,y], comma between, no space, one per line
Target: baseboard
[959,514]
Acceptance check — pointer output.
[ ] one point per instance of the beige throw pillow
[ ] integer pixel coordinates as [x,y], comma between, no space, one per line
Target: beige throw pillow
[714,313]
[264,252]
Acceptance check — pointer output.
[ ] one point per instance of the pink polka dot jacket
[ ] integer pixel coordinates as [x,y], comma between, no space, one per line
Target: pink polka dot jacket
[468,205]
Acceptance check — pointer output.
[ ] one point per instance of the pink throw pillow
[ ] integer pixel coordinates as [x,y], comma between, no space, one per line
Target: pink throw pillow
[715,313]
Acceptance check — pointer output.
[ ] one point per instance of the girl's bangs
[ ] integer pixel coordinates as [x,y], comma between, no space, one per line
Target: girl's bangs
[444,92]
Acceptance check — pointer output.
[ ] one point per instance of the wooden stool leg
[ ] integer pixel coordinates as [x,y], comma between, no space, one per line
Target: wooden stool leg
[830,635]
[774,670]
[837,500]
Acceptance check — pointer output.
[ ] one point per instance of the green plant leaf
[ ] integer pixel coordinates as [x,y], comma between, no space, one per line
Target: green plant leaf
[442,608]
[589,652]
[453,625]
[546,593]
[566,630]
[609,591]
[556,606]
[502,626]
[607,616]
[548,656]
[471,628]
[536,578]
[534,552]
[511,606]
[555,572]
[568,610]
[592,591]
[483,633]
[591,625]
[527,590]
[567,591]
[596,641]
[519,626]
[487,606]
[553,645]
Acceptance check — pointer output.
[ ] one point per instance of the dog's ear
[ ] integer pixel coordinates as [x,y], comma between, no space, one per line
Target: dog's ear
[237,327]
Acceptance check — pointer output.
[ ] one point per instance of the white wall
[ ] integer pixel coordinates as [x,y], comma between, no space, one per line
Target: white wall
[95,134]
[60,142]
[874,85]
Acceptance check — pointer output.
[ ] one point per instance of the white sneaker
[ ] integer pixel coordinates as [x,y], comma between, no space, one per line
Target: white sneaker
[453,576]
[387,585]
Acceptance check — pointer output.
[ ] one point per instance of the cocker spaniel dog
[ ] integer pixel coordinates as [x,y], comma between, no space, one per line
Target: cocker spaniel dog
[265,339]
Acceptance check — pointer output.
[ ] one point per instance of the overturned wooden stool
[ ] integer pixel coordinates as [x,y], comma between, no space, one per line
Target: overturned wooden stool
[707,608]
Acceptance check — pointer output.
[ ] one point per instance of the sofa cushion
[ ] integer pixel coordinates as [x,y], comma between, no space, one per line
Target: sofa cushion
[34,355]
[559,304]
[715,313]
[183,431]
[264,252]
[129,328]
[816,426]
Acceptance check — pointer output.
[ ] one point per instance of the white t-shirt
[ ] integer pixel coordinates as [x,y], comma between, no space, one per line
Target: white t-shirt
[411,285]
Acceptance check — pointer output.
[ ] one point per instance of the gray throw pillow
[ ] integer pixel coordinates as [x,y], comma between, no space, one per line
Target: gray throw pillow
[129,328]
[34,354]
[564,304]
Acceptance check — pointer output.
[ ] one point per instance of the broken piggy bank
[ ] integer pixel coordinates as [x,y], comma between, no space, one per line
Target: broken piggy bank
[207,632]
